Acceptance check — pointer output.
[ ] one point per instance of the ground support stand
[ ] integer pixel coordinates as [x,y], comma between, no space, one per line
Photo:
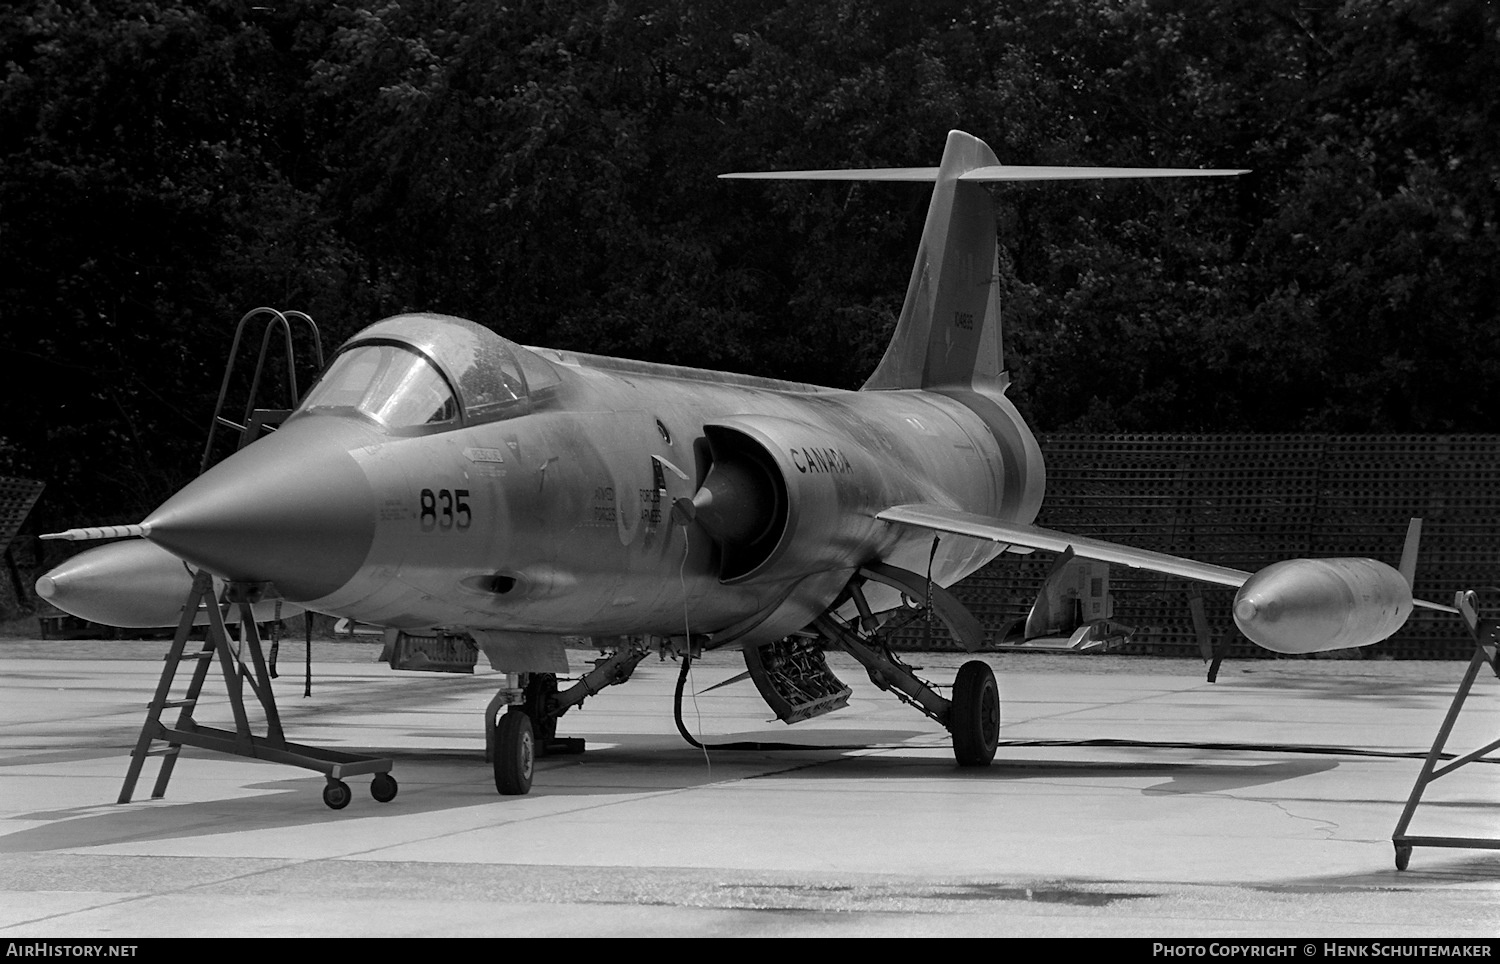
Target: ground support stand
[1486,634]
[273,746]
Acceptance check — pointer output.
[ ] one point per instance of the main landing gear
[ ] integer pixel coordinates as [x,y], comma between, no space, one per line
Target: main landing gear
[521,721]
[972,716]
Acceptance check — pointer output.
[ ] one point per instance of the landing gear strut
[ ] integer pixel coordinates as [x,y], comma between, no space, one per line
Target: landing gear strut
[972,715]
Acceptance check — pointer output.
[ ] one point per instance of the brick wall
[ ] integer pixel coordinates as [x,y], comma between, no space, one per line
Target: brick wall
[1249,500]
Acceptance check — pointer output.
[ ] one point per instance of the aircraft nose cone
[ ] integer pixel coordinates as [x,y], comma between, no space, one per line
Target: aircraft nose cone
[294,509]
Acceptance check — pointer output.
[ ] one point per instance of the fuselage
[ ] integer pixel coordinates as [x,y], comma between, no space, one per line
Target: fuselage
[563,514]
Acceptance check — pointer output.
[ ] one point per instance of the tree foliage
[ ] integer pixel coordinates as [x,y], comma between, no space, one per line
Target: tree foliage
[548,168]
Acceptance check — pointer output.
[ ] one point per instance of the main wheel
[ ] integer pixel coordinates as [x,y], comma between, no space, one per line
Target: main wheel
[974,719]
[515,753]
[336,794]
[383,788]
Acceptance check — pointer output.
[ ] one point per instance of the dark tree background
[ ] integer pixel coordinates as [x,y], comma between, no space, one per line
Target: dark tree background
[548,169]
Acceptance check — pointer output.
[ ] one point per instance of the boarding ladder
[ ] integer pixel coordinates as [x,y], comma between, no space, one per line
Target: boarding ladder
[255,419]
[241,662]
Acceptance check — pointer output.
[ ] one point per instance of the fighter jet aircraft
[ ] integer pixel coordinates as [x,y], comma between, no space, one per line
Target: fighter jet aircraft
[441,478]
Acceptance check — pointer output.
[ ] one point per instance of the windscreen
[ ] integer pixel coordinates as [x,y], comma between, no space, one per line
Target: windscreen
[392,385]
[399,372]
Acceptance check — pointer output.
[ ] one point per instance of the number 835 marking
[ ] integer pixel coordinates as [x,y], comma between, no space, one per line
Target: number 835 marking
[445,509]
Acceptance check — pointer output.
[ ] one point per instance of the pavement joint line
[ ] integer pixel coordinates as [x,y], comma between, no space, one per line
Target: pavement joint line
[168,891]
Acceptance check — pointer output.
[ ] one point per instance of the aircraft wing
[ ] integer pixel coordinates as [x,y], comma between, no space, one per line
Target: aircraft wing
[940,519]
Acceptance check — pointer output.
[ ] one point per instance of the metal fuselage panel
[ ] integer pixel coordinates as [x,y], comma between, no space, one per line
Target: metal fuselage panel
[560,520]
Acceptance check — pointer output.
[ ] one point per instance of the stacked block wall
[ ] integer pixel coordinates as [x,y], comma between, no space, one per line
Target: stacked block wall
[1249,500]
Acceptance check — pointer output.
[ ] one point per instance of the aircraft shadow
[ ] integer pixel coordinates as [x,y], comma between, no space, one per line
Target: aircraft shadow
[435,781]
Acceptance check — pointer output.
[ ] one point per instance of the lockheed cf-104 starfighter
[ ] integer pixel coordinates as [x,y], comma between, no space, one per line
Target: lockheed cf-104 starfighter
[441,479]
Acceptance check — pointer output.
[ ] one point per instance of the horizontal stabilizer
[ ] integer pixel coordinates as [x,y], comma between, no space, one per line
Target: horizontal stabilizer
[1007,172]
[989,174]
[917,175]
[948,333]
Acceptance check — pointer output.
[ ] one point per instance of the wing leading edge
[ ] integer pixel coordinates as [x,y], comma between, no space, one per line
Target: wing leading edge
[940,519]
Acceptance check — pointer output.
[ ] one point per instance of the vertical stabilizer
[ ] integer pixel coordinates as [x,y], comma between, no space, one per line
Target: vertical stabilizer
[948,335]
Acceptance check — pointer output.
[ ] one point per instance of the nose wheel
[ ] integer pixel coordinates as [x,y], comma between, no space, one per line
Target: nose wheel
[515,753]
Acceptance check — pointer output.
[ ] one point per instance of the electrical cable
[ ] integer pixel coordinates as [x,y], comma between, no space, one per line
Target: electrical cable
[687,659]
[757,744]
[682,676]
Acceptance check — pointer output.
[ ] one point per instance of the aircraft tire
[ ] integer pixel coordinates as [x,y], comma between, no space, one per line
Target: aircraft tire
[974,719]
[515,753]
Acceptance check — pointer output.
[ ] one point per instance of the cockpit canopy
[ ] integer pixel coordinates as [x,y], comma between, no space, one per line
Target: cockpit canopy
[415,373]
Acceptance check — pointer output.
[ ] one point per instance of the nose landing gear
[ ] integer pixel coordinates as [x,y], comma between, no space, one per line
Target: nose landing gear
[521,721]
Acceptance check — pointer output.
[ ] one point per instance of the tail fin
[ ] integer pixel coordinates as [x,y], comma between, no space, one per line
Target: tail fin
[948,335]
[949,332]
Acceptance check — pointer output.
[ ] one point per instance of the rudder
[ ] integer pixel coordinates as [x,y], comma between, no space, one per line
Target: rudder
[948,335]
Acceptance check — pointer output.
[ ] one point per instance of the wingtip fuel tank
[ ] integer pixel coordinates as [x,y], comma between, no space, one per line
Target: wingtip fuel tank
[131,585]
[1315,605]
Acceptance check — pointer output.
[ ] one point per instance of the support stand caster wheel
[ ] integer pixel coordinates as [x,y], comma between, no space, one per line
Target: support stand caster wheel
[383,788]
[336,794]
